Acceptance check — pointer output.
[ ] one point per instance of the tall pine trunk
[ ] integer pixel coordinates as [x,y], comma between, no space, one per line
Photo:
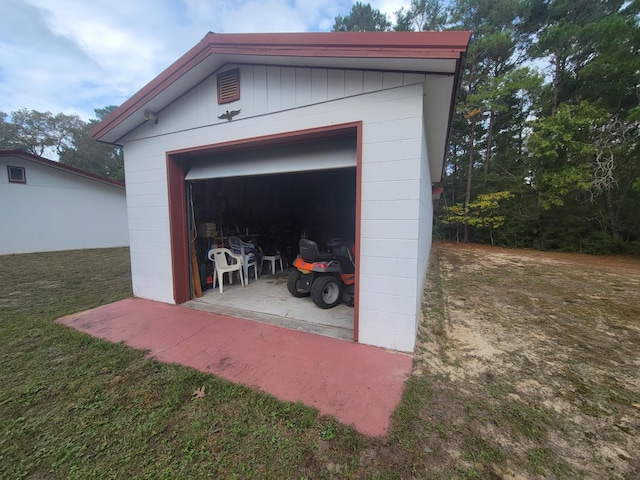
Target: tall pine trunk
[487,155]
[467,198]
[612,216]
[559,66]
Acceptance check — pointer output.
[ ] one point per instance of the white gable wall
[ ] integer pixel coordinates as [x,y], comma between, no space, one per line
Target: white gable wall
[426,222]
[265,90]
[392,260]
[58,210]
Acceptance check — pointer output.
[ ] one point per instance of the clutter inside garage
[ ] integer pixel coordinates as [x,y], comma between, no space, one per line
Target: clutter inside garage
[272,212]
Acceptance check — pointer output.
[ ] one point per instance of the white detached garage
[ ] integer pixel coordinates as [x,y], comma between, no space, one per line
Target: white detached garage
[330,134]
[49,206]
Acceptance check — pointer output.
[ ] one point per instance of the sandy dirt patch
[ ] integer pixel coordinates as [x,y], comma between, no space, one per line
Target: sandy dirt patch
[544,348]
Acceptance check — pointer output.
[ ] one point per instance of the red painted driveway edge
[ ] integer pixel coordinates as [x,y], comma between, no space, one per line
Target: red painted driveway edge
[359,384]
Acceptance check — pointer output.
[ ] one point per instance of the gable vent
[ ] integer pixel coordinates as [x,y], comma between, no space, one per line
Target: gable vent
[229,86]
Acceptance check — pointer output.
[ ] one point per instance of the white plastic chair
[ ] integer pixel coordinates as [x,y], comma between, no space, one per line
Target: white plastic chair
[248,258]
[220,257]
[273,259]
[251,262]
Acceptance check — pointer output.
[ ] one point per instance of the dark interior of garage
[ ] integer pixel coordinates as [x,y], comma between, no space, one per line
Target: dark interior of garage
[275,211]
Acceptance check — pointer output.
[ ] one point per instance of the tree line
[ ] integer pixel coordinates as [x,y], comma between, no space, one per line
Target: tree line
[62,137]
[544,147]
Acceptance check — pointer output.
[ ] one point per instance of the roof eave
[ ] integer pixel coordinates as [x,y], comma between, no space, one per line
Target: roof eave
[383,45]
[452,110]
[61,166]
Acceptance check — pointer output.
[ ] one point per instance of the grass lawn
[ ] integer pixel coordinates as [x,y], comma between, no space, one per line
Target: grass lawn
[76,407]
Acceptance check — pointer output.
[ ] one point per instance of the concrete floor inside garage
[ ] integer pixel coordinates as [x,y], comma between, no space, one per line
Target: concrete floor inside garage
[267,300]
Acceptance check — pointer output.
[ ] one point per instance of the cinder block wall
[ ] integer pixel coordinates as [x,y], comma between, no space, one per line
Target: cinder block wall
[390,108]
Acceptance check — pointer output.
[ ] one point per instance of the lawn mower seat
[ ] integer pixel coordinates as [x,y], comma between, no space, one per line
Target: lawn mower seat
[309,251]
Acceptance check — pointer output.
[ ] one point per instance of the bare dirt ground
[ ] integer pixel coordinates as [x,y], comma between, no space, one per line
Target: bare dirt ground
[533,362]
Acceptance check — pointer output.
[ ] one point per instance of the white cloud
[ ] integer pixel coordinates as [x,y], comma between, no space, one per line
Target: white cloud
[389,7]
[247,16]
[73,56]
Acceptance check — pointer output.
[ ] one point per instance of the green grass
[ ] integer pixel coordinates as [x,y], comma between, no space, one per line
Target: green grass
[74,407]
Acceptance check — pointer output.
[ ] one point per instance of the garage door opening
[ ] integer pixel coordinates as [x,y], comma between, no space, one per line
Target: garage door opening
[272,196]
[277,210]
[273,212]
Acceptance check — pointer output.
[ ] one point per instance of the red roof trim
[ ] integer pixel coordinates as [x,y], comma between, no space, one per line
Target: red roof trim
[336,40]
[446,45]
[427,45]
[60,166]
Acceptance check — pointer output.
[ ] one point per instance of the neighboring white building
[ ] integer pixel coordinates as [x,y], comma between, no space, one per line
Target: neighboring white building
[47,206]
[371,111]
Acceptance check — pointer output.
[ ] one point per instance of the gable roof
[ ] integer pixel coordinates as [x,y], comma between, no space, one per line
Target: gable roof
[60,166]
[424,52]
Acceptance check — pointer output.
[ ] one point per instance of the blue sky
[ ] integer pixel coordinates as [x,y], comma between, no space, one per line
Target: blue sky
[72,56]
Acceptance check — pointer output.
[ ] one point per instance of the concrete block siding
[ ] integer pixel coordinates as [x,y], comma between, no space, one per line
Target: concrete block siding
[58,210]
[396,181]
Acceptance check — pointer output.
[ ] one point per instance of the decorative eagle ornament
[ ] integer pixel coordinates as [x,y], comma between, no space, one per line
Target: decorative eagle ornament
[228,115]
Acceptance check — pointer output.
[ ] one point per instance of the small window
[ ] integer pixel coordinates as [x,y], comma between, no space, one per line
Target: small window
[16,174]
[229,86]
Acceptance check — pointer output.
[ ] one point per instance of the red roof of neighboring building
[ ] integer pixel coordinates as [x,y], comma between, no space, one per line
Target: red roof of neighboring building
[60,166]
[434,52]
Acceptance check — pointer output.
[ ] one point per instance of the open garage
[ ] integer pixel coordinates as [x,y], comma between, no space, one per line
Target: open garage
[272,197]
[277,137]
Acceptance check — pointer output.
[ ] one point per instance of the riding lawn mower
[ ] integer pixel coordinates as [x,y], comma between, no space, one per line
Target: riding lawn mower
[328,277]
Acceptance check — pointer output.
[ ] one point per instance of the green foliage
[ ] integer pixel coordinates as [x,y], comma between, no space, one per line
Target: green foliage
[548,109]
[565,143]
[90,155]
[362,18]
[580,149]
[613,74]
[63,136]
[38,132]
[484,212]
[561,147]
[423,15]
